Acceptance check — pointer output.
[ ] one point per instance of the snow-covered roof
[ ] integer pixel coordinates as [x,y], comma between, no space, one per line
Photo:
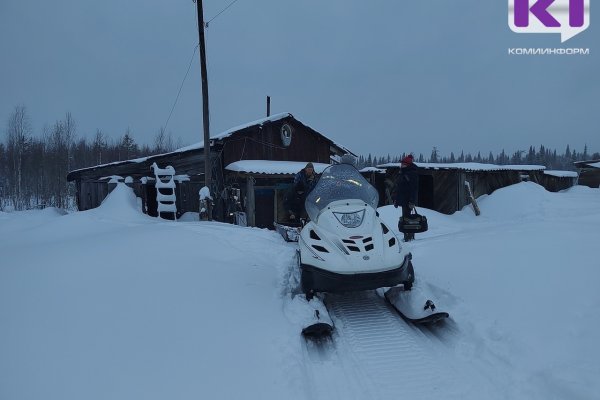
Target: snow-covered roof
[273,167]
[587,164]
[373,169]
[229,132]
[561,174]
[200,145]
[470,166]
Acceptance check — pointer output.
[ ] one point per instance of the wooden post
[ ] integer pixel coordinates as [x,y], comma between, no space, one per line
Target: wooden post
[205,114]
[250,201]
[268,106]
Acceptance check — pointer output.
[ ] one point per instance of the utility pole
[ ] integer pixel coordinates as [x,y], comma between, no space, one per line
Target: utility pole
[205,118]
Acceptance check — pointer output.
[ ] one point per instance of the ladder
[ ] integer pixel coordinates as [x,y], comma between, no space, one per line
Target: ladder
[165,191]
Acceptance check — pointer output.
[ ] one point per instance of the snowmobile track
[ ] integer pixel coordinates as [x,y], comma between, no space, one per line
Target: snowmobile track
[393,355]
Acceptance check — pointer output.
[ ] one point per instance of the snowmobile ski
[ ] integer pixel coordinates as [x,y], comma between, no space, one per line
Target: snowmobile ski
[319,324]
[311,316]
[414,305]
[317,330]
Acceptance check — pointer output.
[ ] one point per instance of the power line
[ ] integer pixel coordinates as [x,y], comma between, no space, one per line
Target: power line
[181,87]
[221,12]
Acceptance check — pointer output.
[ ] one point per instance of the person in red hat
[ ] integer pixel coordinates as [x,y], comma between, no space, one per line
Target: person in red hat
[407,189]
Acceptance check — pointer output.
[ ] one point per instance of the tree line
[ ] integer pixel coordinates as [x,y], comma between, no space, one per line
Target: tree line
[34,168]
[542,155]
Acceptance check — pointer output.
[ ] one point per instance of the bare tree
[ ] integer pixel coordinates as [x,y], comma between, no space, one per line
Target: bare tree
[60,145]
[163,142]
[99,146]
[18,139]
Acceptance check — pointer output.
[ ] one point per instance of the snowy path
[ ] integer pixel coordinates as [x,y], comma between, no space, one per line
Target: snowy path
[375,354]
[386,347]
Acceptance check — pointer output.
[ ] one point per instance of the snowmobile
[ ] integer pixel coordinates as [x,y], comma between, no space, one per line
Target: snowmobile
[346,247]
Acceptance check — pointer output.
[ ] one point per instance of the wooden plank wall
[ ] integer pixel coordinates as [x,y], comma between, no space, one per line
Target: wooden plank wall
[445,198]
[553,183]
[444,190]
[264,143]
[485,182]
[589,177]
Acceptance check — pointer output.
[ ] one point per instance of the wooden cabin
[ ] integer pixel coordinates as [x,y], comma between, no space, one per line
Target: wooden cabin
[442,186]
[277,138]
[589,173]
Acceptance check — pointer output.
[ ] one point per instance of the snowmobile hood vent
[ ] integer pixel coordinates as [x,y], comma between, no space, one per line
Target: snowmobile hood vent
[320,248]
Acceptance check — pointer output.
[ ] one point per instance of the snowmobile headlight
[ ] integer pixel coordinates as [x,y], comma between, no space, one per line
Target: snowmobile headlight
[350,220]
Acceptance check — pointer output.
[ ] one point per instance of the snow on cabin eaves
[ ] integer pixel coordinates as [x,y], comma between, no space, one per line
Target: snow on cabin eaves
[595,165]
[272,167]
[561,174]
[373,169]
[474,167]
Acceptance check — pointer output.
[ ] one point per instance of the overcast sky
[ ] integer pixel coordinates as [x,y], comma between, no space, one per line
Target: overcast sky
[380,76]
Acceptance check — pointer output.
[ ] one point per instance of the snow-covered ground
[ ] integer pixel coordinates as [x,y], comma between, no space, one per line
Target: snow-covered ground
[112,304]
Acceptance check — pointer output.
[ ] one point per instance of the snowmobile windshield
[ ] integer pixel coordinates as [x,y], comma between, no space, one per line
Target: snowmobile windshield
[339,182]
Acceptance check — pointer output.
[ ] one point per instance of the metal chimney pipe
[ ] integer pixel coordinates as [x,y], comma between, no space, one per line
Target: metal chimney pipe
[268,106]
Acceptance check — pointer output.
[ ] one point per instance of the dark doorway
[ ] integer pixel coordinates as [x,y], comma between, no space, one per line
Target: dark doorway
[426,191]
[151,204]
[264,207]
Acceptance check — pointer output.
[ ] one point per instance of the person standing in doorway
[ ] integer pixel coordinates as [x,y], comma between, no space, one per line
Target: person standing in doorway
[407,189]
[304,182]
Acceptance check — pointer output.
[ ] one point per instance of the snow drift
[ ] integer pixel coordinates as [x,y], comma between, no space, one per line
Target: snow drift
[110,303]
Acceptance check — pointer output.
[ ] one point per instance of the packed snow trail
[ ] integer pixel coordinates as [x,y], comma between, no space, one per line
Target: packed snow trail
[375,354]
[386,348]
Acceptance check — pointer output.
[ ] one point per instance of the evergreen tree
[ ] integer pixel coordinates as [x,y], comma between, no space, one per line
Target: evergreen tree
[128,146]
[434,155]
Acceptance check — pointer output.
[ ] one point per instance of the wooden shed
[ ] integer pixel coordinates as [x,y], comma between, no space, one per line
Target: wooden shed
[279,137]
[554,181]
[589,173]
[442,186]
